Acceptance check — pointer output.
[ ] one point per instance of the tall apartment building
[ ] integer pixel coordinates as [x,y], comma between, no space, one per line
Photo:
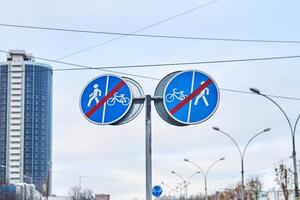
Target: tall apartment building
[25,120]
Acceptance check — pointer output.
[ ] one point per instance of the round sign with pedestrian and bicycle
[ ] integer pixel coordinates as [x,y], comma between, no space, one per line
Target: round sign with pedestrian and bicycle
[106,99]
[189,97]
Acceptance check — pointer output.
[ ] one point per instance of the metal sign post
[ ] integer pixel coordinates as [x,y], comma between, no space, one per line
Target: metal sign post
[148,148]
[148,140]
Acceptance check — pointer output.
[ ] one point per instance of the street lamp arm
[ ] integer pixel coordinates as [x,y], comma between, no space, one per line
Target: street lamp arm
[173,172]
[236,144]
[192,176]
[278,106]
[198,167]
[296,125]
[166,184]
[208,169]
[250,142]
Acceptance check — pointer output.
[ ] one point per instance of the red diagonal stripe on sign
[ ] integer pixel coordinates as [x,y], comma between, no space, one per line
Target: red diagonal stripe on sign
[191,96]
[102,101]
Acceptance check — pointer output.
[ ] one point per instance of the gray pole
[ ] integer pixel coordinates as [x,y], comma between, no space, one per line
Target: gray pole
[293,131]
[295,161]
[186,191]
[202,172]
[243,178]
[80,181]
[295,170]
[148,149]
[242,154]
[205,183]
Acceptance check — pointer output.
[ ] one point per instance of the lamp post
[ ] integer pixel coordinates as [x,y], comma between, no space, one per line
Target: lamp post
[242,153]
[181,187]
[5,167]
[185,182]
[25,176]
[170,188]
[202,172]
[293,132]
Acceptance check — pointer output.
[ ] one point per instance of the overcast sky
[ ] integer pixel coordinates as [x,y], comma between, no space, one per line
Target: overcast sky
[111,159]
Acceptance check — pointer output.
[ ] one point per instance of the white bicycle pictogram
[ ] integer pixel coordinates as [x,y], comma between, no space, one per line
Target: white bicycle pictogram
[175,95]
[118,98]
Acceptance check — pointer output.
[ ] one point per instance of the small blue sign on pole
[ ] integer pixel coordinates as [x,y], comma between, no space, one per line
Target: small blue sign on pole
[157,191]
[105,99]
[191,97]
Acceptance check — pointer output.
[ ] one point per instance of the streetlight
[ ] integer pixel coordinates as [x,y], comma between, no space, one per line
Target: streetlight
[185,182]
[164,183]
[202,172]
[293,132]
[3,166]
[179,189]
[25,176]
[242,153]
[170,188]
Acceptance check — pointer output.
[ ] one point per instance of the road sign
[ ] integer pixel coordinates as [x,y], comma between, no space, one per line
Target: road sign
[106,99]
[157,191]
[189,97]
[136,106]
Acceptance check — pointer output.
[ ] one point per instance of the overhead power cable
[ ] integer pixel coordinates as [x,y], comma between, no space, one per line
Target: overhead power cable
[84,67]
[251,93]
[95,177]
[80,67]
[139,30]
[107,68]
[149,35]
[202,62]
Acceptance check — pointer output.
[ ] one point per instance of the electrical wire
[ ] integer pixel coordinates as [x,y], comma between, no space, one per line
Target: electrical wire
[255,171]
[195,63]
[139,30]
[95,177]
[149,35]
[85,67]
[80,67]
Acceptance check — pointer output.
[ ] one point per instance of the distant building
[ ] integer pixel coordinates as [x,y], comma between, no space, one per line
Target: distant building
[25,121]
[102,197]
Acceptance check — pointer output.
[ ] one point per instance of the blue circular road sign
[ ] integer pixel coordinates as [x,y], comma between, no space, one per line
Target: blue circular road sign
[157,191]
[105,99]
[191,97]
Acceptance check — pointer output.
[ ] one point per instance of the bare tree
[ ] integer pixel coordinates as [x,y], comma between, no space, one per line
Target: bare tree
[284,178]
[227,194]
[76,193]
[87,194]
[254,187]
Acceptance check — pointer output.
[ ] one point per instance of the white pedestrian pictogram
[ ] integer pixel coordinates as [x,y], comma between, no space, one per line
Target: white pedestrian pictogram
[94,95]
[202,95]
[176,94]
[118,98]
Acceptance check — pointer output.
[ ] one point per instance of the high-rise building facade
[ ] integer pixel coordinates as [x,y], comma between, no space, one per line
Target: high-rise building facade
[25,121]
